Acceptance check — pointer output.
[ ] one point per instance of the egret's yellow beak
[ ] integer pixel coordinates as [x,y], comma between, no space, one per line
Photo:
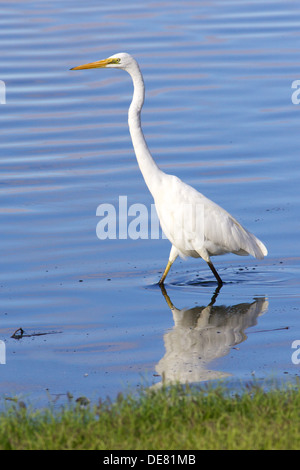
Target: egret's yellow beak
[98,64]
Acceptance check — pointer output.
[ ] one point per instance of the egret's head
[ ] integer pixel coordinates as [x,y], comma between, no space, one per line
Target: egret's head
[116,61]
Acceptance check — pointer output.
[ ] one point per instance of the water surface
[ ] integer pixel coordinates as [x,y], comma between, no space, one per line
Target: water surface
[219,115]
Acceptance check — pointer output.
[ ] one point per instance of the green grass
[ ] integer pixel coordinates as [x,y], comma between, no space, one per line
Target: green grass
[168,419]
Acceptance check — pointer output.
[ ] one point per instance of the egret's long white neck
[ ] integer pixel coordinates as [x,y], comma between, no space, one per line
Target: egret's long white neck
[148,167]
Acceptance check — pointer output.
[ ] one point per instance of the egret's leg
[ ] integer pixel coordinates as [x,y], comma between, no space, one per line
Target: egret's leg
[220,282]
[163,277]
[172,257]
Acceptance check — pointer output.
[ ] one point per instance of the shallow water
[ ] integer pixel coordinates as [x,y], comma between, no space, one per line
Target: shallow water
[219,114]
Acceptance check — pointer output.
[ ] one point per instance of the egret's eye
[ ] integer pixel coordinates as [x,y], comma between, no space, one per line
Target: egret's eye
[114,61]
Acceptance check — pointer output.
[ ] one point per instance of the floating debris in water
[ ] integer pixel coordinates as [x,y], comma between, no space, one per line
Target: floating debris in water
[20,333]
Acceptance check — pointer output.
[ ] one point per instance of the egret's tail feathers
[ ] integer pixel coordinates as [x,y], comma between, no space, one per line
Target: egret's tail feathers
[249,243]
[259,250]
[262,250]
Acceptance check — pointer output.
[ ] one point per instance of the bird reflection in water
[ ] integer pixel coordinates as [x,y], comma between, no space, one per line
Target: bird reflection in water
[203,334]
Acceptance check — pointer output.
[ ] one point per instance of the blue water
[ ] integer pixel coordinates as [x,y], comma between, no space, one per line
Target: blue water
[218,114]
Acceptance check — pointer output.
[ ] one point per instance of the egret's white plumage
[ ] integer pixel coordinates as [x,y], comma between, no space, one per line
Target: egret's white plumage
[195,225]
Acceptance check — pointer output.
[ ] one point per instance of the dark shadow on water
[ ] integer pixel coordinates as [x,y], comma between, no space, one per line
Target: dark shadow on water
[198,282]
[230,276]
[271,275]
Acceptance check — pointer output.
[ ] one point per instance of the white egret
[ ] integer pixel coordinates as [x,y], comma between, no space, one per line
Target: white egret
[195,225]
